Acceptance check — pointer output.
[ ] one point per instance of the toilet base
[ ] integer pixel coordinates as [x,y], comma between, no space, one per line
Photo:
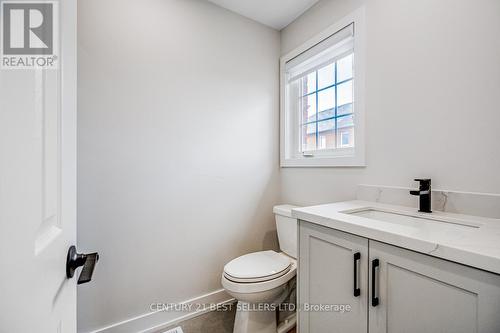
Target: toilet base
[254,321]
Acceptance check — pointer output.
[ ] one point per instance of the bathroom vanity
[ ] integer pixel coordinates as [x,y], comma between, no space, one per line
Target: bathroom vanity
[371,267]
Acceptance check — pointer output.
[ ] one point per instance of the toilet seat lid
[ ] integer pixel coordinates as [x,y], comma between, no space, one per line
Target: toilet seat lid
[257,265]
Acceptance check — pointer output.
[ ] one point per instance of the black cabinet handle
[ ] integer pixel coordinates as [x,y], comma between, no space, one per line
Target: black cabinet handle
[357,290]
[375,265]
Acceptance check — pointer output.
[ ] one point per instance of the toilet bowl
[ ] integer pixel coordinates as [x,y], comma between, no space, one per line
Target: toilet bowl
[261,281]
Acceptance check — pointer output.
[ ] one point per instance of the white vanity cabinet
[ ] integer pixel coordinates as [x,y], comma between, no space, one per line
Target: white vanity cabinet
[400,290]
[420,293]
[329,263]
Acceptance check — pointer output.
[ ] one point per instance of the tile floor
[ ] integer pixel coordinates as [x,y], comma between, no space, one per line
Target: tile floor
[211,322]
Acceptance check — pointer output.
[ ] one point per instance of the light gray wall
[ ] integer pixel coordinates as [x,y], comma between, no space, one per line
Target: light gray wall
[432,96]
[178,149]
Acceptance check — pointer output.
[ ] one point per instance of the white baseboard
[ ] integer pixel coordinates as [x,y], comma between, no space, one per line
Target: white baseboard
[154,321]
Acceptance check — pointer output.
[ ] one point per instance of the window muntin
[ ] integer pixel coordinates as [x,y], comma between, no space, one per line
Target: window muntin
[326,104]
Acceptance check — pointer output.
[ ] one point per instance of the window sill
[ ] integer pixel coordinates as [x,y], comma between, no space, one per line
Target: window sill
[323,162]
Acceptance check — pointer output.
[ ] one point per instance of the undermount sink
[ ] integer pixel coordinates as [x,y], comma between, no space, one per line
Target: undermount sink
[408,219]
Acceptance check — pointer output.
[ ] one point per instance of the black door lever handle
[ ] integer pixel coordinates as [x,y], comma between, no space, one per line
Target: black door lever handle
[75,260]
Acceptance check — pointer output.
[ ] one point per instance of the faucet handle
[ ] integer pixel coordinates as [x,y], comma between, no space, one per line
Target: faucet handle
[425,183]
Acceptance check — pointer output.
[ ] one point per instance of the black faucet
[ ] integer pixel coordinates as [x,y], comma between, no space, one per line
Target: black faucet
[424,192]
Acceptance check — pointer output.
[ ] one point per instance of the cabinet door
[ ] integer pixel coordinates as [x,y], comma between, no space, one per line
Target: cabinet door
[328,260]
[419,293]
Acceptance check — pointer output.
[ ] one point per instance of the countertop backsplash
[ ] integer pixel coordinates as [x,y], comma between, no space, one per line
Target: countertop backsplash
[468,203]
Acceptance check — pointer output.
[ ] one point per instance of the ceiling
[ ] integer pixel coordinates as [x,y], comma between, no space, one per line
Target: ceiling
[276,14]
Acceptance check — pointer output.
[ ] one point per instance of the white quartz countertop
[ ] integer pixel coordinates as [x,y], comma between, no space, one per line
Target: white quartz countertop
[469,240]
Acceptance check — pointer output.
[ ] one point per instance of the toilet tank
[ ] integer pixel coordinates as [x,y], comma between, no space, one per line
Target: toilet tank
[286,226]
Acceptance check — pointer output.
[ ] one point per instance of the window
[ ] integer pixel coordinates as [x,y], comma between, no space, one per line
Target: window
[346,138]
[322,99]
[326,97]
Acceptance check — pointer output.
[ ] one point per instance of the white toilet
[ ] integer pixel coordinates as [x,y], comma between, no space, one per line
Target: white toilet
[261,280]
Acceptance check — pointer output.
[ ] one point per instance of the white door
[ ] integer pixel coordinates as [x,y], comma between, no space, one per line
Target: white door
[332,272]
[419,293]
[38,191]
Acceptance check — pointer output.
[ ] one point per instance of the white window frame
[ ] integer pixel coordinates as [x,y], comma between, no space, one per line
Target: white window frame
[347,157]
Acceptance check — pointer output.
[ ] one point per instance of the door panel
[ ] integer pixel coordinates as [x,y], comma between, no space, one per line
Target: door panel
[326,277]
[38,190]
[419,293]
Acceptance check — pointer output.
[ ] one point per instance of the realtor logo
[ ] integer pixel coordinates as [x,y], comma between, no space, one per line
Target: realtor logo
[29,32]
